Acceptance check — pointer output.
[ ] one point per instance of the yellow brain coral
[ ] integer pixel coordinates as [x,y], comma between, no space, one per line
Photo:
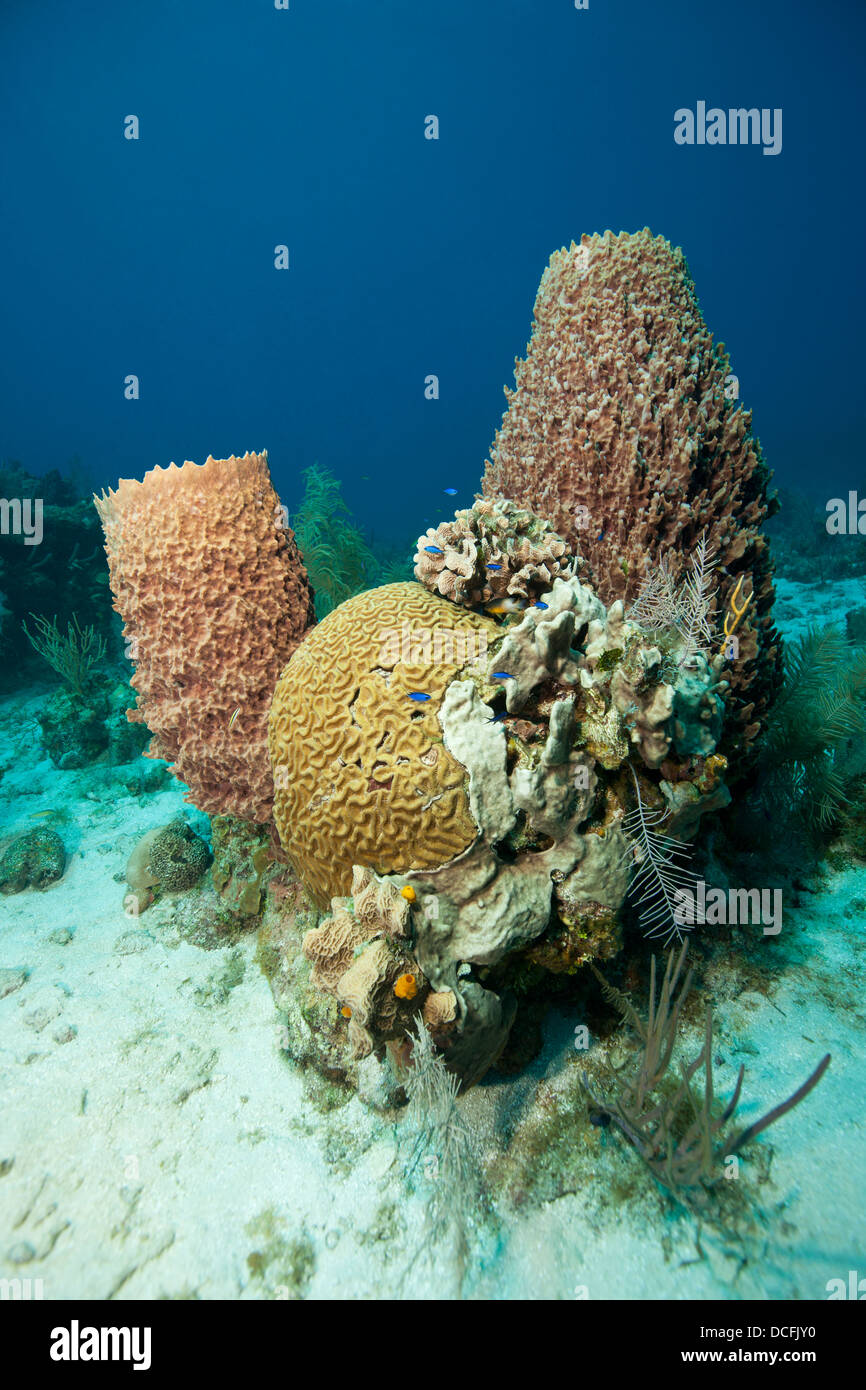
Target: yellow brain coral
[361,775]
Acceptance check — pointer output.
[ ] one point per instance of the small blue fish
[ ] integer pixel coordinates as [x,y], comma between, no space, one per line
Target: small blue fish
[599,536]
[494,567]
[450,491]
[433,550]
[539,604]
[502,676]
[498,718]
[418,696]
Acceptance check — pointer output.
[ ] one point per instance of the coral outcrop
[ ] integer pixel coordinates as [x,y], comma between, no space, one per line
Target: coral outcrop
[493,550]
[621,433]
[538,741]
[76,730]
[74,733]
[457,766]
[215,599]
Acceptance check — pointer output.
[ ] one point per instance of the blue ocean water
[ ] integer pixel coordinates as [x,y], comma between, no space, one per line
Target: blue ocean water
[319,231]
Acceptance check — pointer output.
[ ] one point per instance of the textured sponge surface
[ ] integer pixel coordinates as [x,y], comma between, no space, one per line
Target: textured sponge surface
[215,599]
[623,434]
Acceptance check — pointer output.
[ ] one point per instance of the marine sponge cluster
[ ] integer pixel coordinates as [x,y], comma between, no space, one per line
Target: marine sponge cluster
[492,550]
[455,789]
[528,748]
[360,955]
[624,433]
[214,597]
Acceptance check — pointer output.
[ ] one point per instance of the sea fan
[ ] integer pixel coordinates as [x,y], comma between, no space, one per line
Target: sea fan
[678,1128]
[336,555]
[664,884]
[440,1141]
[73,655]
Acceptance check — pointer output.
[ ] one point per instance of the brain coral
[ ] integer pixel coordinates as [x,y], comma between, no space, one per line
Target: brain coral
[361,775]
[215,599]
[620,432]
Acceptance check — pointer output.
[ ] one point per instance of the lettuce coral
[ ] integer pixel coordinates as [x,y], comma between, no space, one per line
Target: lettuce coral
[492,550]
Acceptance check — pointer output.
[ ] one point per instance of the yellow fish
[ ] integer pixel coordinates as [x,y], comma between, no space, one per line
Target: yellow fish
[505,605]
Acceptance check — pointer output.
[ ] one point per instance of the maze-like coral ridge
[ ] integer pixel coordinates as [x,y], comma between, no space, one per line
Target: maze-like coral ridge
[361,775]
